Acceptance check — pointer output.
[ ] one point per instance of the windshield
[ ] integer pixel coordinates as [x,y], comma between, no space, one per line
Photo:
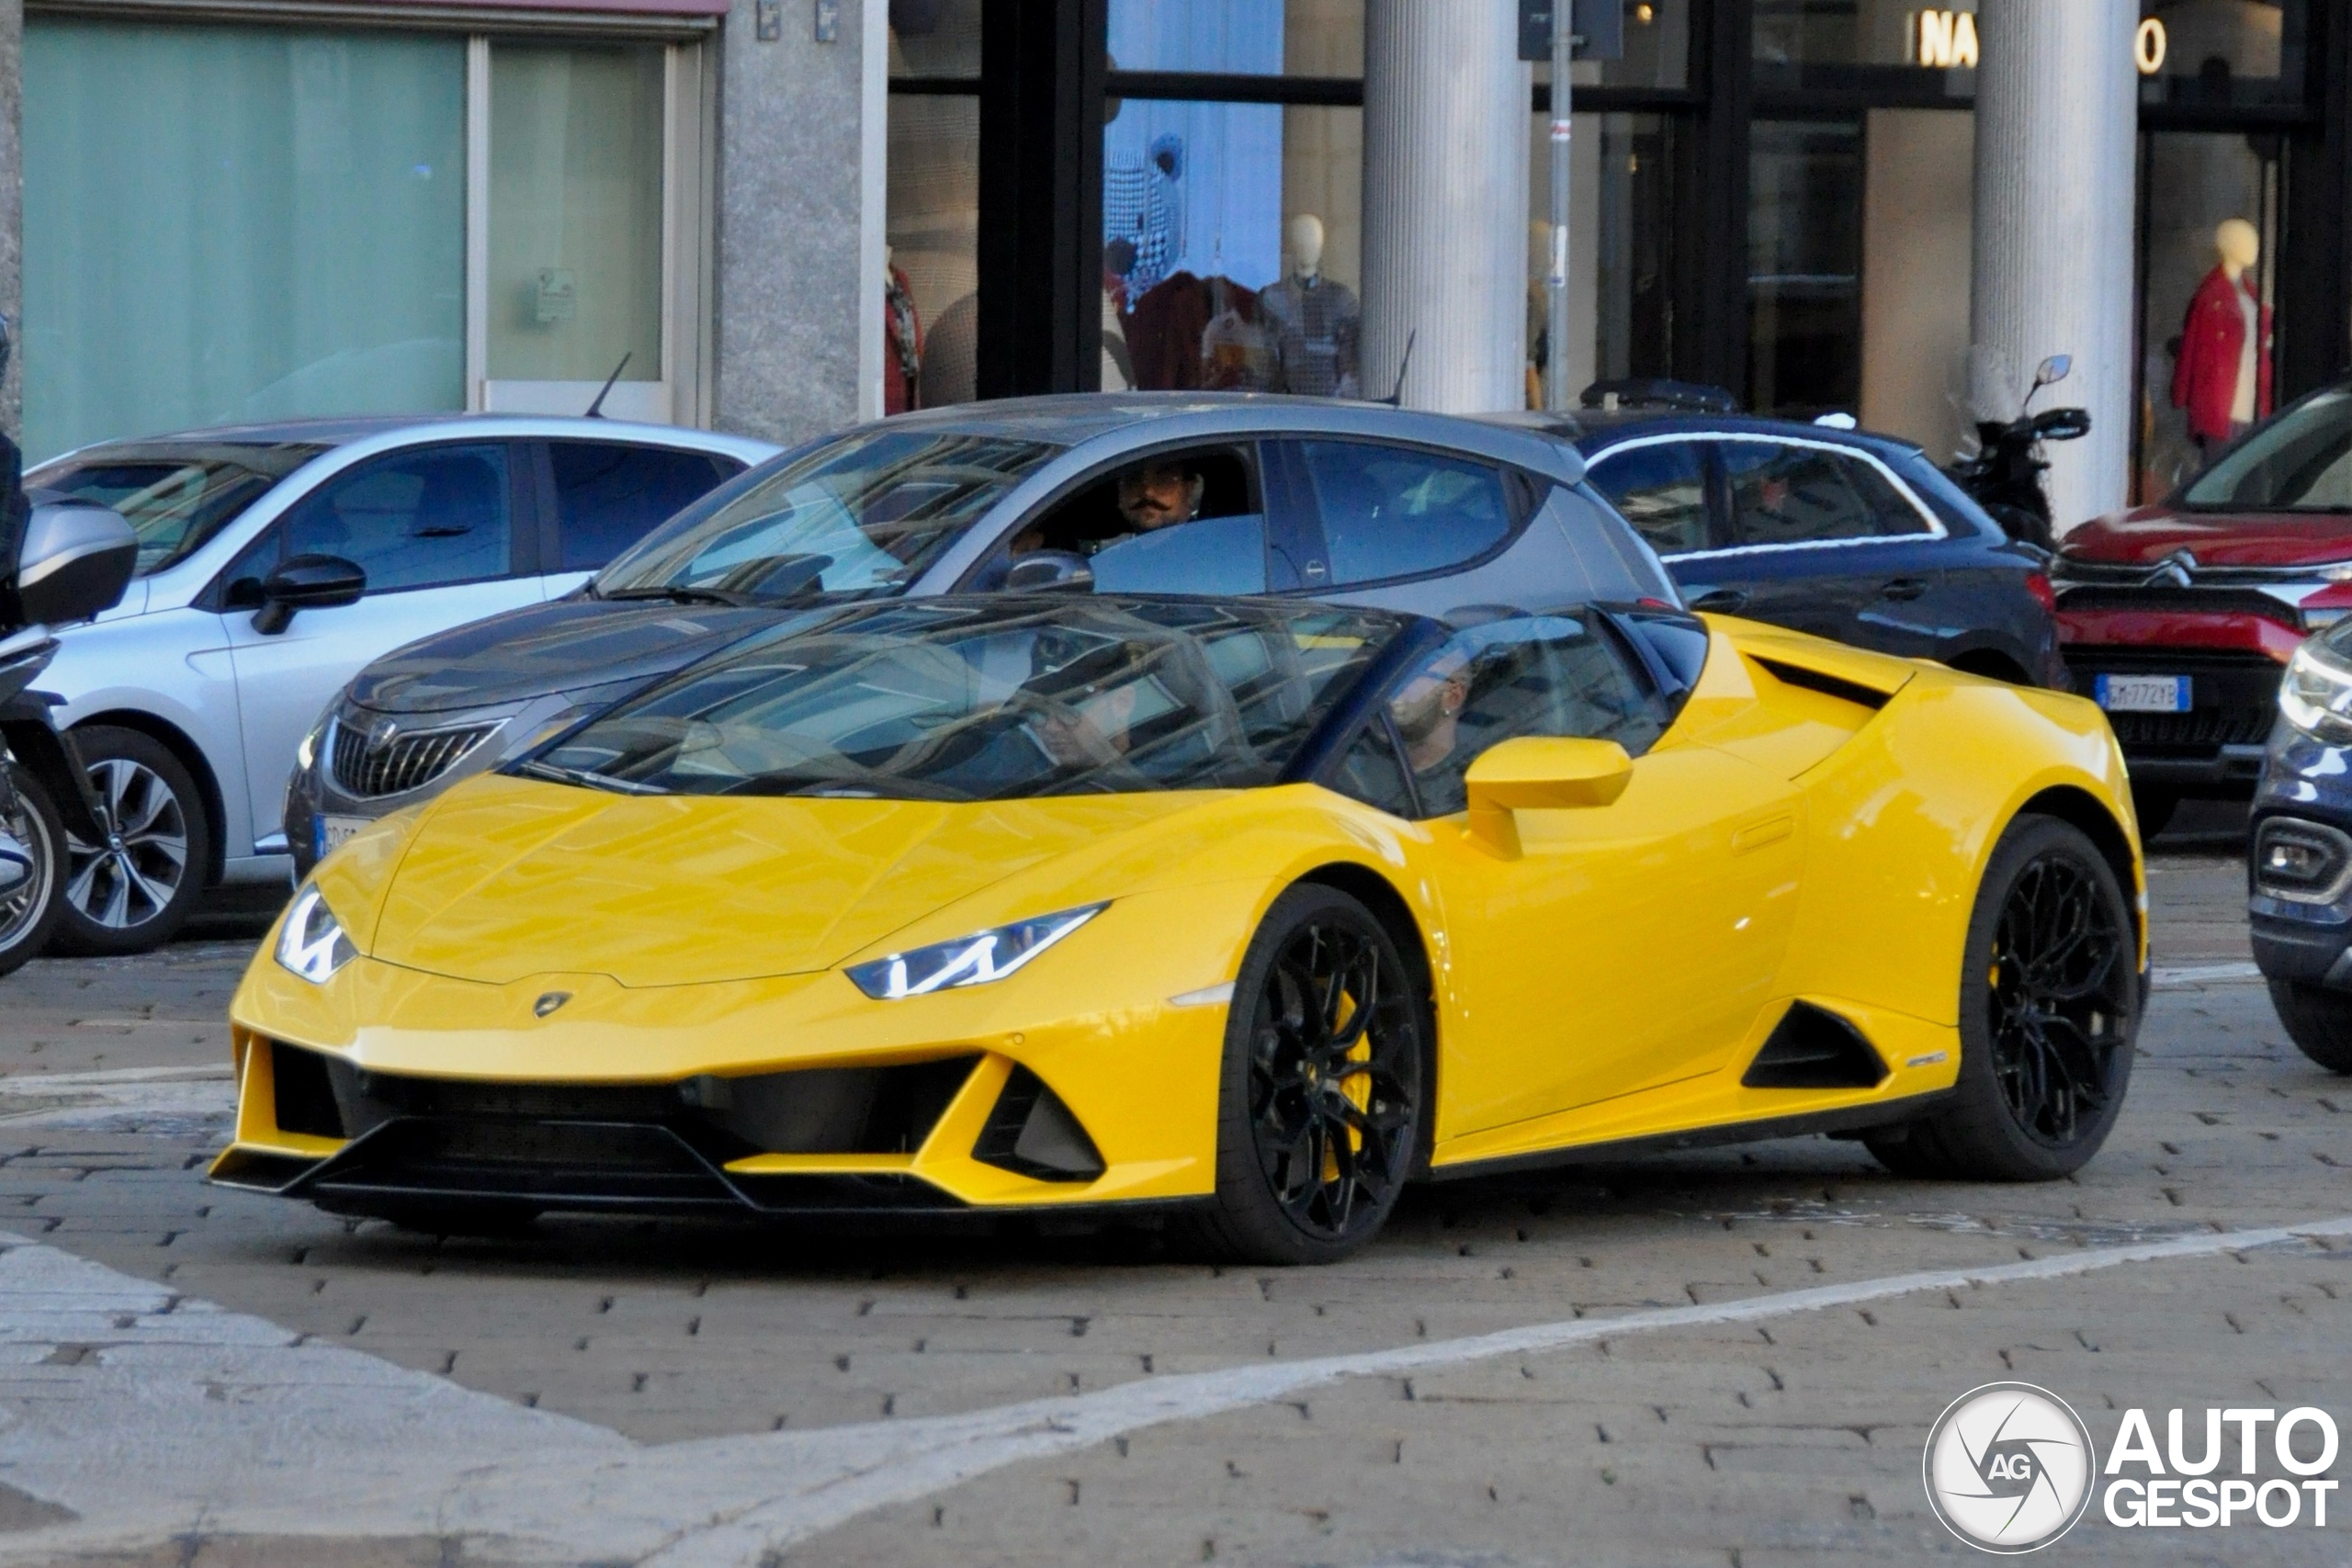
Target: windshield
[995,700]
[175,498]
[861,516]
[2301,461]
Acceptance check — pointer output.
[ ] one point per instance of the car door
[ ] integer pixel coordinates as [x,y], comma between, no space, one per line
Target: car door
[439,530]
[607,495]
[1373,522]
[1628,946]
[1823,540]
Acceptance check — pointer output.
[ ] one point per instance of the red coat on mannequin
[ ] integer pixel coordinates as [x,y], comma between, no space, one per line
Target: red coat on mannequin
[2212,348]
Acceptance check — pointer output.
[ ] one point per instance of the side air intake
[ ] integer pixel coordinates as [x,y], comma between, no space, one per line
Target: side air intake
[1032,1133]
[1812,1047]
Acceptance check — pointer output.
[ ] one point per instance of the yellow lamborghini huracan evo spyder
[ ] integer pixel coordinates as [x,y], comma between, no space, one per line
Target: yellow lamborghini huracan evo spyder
[1245,912]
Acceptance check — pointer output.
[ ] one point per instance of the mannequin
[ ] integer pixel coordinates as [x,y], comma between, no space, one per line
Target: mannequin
[1315,322]
[901,339]
[2222,377]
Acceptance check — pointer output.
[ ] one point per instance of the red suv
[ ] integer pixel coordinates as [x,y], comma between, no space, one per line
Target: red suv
[2178,618]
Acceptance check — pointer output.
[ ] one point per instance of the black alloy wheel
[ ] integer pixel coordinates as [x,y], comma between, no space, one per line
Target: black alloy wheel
[1321,1108]
[2050,1004]
[133,892]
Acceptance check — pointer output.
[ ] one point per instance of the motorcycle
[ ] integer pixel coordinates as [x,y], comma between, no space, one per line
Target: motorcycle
[71,561]
[2004,476]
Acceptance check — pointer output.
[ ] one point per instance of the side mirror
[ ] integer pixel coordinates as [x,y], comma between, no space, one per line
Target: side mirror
[75,561]
[1049,571]
[306,582]
[2057,367]
[1539,773]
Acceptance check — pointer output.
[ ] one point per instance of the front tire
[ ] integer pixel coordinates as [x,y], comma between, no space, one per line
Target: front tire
[1324,1093]
[2049,1004]
[134,892]
[29,911]
[2319,1021]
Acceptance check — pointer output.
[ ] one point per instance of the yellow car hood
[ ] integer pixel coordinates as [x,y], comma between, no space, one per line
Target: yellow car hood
[509,877]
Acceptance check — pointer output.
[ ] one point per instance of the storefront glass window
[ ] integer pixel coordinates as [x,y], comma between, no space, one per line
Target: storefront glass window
[2221,52]
[932,310]
[1231,237]
[1805,204]
[2210,208]
[1891,46]
[935,38]
[1257,38]
[1656,49]
[575,213]
[1621,230]
[238,224]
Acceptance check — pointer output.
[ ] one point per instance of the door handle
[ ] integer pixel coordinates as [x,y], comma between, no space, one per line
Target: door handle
[1721,600]
[1904,588]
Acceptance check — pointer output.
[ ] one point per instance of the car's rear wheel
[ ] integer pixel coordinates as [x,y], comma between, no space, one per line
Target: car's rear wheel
[134,891]
[1324,1089]
[29,909]
[2048,1003]
[2319,1021]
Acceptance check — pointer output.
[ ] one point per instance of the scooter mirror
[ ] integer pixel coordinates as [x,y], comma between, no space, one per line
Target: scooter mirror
[75,560]
[2055,368]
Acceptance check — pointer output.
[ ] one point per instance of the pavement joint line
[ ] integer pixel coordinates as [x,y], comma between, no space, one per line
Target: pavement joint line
[440,1459]
[2181,976]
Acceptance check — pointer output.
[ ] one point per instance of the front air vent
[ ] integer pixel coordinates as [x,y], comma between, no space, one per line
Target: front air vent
[304,1092]
[1031,1133]
[367,771]
[1812,1047]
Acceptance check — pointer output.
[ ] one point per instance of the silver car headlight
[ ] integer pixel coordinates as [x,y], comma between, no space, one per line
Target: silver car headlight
[974,960]
[2316,696]
[312,942]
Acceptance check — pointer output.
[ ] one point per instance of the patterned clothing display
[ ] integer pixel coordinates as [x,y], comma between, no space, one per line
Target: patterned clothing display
[1143,204]
[902,337]
[1314,325]
[1237,354]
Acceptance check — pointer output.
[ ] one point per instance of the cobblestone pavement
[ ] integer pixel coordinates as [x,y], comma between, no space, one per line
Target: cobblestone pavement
[600,1392]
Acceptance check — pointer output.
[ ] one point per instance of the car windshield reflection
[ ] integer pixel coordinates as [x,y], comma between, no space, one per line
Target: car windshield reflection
[1003,699]
[860,516]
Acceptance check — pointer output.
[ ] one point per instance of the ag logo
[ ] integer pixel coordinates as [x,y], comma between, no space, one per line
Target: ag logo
[2008,1467]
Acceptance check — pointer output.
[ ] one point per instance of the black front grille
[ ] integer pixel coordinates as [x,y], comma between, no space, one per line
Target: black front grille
[2233,695]
[404,763]
[2205,727]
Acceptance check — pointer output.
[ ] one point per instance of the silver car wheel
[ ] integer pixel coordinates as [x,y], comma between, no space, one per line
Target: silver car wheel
[22,906]
[133,876]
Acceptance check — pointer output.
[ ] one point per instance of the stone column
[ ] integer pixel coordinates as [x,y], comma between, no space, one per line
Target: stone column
[798,252]
[12,211]
[2056,116]
[1445,135]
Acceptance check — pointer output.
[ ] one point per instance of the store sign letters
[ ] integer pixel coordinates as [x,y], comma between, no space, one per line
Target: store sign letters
[1943,40]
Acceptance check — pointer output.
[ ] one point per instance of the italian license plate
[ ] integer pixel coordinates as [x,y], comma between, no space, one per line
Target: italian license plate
[2141,693]
[330,832]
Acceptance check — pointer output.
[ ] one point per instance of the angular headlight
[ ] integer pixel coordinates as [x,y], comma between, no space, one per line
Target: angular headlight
[972,960]
[312,942]
[2316,696]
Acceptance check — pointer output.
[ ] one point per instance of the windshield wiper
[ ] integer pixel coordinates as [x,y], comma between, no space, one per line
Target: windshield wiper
[678,593]
[585,780]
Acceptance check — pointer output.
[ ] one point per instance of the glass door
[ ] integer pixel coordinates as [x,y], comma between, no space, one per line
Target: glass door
[570,262]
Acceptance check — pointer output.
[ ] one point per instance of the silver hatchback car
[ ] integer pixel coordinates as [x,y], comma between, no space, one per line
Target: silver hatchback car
[1145,492]
[277,560]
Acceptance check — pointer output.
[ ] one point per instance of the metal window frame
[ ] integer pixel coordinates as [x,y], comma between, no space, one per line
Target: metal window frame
[1936,530]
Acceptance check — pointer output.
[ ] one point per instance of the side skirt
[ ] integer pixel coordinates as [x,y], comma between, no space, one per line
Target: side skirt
[1842,1119]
